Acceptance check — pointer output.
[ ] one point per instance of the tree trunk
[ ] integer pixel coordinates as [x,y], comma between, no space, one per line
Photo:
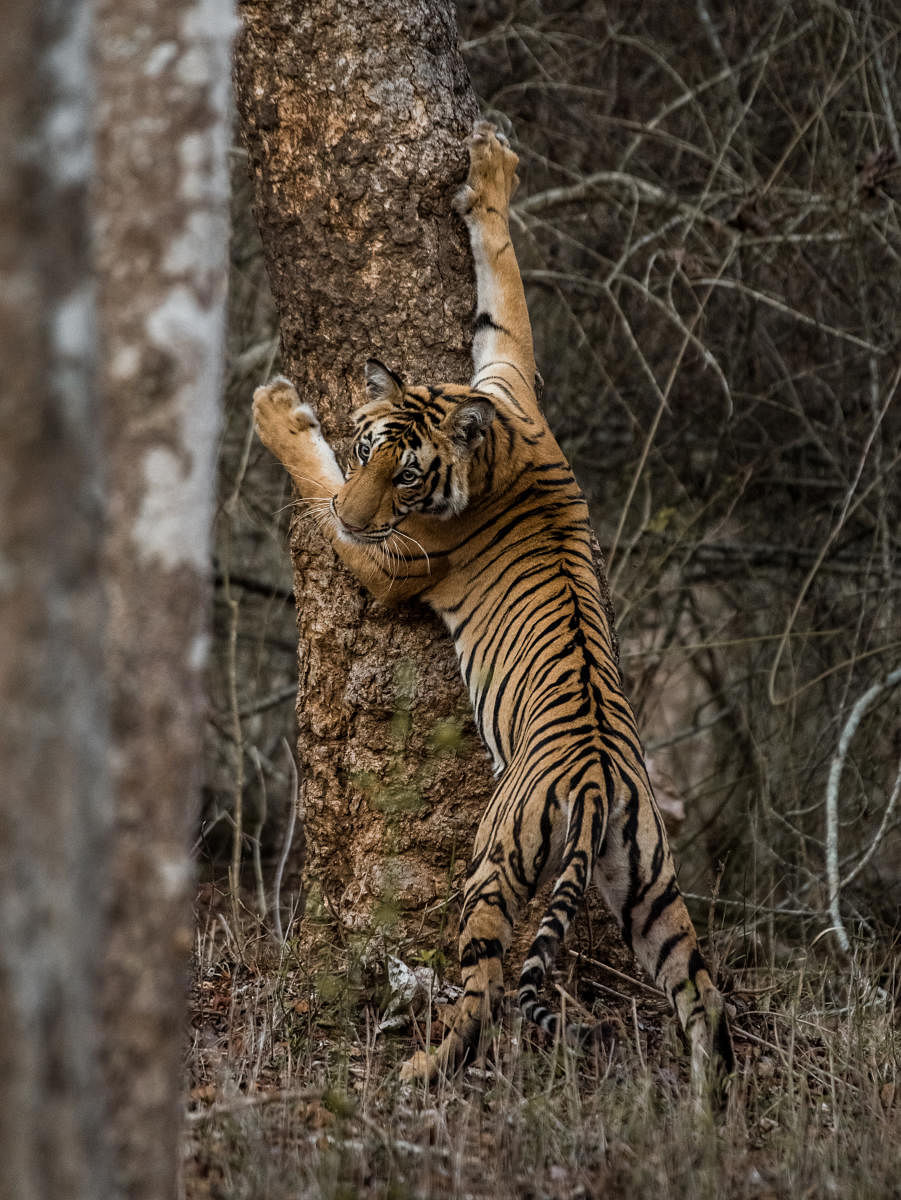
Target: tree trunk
[54,798]
[103,575]
[162,198]
[355,115]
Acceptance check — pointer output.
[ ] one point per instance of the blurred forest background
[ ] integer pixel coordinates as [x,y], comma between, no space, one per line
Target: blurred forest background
[709,229]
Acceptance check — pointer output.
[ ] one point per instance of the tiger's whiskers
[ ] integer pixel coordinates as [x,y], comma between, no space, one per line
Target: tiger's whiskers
[402,534]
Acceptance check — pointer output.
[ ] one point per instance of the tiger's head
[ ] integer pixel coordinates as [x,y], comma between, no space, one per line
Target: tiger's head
[415,450]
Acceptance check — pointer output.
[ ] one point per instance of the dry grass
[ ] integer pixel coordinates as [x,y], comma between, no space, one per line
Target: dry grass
[294,1092]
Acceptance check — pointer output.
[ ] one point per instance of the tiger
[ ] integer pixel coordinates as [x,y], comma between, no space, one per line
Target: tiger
[461,497]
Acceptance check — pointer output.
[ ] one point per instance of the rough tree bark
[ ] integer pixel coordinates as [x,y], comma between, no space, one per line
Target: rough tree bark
[162,223]
[355,114]
[54,796]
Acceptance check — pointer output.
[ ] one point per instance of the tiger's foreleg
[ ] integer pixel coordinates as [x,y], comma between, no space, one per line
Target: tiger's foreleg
[637,880]
[502,351]
[291,430]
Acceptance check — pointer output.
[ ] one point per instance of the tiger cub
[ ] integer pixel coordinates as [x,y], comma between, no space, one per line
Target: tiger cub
[469,483]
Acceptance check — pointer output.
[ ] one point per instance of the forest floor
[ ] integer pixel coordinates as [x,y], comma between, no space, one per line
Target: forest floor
[293,1088]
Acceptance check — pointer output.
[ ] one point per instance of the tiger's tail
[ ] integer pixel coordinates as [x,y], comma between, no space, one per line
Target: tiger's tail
[586,833]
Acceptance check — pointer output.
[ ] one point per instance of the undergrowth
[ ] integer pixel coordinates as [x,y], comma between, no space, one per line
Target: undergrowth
[293,1091]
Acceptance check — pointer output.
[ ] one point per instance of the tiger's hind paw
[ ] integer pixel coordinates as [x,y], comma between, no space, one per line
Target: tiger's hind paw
[492,175]
[712,1056]
[421,1067]
[443,1060]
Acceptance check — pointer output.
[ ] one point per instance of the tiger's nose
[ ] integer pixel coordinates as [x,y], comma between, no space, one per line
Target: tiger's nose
[345,524]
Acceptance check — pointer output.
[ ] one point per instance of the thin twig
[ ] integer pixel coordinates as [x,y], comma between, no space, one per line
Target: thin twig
[554,197]
[614,575]
[767,53]
[639,983]
[261,705]
[835,774]
[880,832]
[774,302]
[234,873]
[243,1103]
[294,800]
[257,837]
[848,509]
[229,508]
[637,1035]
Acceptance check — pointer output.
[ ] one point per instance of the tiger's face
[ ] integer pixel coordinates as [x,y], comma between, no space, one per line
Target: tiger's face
[415,450]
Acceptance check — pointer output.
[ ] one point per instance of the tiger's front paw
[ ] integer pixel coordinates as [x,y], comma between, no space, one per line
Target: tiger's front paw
[280,415]
[492,175]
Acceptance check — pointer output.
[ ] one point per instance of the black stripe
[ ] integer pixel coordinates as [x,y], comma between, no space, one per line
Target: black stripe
[485,321]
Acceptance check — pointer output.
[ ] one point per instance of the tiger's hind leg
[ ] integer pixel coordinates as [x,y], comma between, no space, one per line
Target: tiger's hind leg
[486,928]
[637,879]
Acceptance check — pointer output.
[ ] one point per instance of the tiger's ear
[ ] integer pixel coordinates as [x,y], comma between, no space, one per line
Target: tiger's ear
[467,425]
[382,384]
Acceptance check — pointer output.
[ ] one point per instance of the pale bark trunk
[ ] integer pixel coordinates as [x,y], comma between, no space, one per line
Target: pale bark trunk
[100,693]
[162,195]
[54,794]
[355,116]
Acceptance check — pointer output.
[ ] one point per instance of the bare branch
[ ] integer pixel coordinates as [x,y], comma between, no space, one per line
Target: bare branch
[835,773]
